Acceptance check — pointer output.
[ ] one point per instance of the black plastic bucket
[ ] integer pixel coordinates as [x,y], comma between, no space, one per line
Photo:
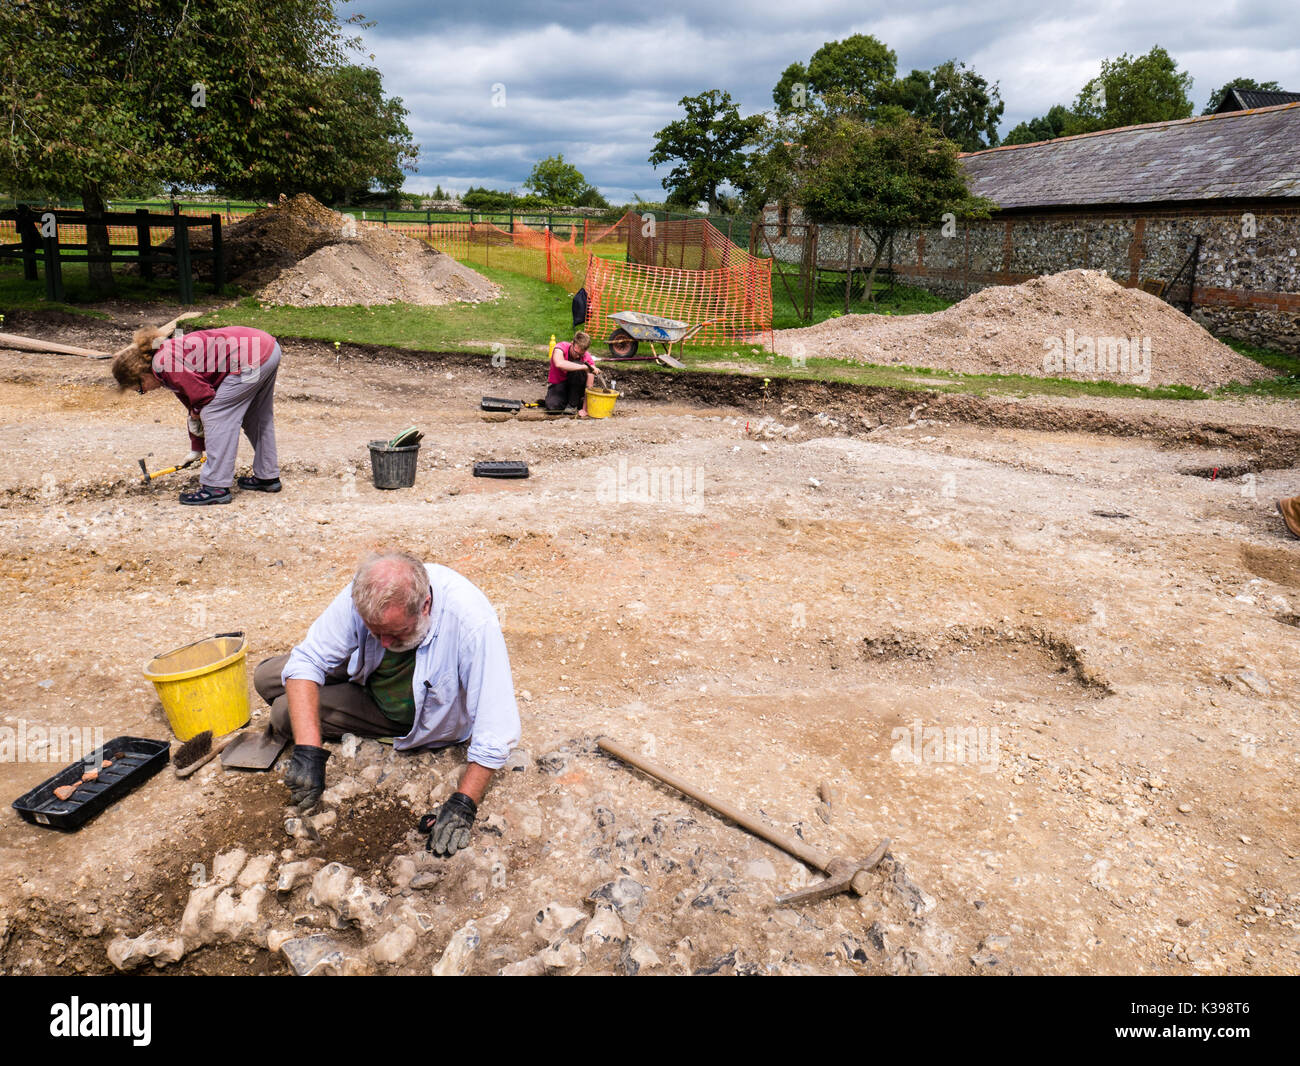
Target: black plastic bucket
[393,468]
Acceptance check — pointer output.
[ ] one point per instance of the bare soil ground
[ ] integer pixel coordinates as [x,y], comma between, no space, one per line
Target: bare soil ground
[1099,591]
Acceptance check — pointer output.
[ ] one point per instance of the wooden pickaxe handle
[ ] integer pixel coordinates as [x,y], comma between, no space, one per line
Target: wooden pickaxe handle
[792,845]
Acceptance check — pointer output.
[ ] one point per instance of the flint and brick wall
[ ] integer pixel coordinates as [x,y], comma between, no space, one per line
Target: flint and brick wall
[1247,287]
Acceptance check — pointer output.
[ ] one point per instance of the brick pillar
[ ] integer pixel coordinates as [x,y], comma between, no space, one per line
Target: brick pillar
[1136,251]
[1006,249]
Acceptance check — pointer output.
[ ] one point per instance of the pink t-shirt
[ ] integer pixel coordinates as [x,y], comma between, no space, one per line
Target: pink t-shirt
[557,376]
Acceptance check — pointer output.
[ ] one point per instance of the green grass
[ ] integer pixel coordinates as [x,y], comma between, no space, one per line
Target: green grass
[829,302]
[1285,386]
[522,320]
[921,378]
[18,294]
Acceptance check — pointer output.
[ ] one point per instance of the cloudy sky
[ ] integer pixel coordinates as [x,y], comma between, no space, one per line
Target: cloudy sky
[494,87]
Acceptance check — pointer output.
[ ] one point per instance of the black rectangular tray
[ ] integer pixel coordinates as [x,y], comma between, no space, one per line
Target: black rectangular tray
[142,758]
[501,468]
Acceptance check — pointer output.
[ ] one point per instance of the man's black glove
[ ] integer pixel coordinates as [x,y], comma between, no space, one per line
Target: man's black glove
[306,776]
[449,829]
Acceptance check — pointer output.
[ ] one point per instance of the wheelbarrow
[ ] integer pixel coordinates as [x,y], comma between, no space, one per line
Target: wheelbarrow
[636,326]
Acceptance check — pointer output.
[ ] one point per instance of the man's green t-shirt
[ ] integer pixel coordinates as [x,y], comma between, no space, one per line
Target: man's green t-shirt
[390,686]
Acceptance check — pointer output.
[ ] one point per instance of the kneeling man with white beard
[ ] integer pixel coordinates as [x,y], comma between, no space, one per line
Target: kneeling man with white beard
[408,650]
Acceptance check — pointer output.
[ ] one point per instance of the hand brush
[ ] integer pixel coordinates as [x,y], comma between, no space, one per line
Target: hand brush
[198,750]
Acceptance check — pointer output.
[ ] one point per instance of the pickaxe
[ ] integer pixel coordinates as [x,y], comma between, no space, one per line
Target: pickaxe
[842,875]
[148,477]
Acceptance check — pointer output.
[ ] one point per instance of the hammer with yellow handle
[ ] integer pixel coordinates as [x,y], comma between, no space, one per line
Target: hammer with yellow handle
[148,477]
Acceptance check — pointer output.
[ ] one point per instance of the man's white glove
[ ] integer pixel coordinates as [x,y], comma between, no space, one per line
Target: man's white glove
[195,425]
[192,458]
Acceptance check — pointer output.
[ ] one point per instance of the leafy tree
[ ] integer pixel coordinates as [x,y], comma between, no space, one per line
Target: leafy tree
[554,179]
[882,176]
[859,68]
[710,145]
[368,141]
[1132,90]
[103,99]
[955,100]
[1219,95]
[1042,128]
[591,197]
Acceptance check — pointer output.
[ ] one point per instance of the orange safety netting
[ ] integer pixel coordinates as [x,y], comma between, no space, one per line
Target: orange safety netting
[520,249]
[688,244]
[736,300]
[75,233]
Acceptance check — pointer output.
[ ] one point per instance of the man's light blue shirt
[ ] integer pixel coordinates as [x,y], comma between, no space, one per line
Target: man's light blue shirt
[462,686]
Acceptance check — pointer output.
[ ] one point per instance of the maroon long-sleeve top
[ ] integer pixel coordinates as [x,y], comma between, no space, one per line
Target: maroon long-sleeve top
[193,365]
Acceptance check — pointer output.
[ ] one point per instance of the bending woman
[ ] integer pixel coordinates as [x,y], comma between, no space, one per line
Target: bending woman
[225,378]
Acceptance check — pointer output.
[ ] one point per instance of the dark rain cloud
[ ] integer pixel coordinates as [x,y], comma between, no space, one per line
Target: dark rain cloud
[596,82]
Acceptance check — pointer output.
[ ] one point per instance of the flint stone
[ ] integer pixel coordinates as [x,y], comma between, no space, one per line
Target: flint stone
[349,899]
[342,791]
[520,760]
[555,762]
[604,927]
[149,946]
[291,873]
[639,957]
[196,922]
[562,957]
[257,871]
[556,920]
[310,954]
[459,952]
[533,966]
[233,920]
[226,867]
[402,871]
[625,895]
[394,945]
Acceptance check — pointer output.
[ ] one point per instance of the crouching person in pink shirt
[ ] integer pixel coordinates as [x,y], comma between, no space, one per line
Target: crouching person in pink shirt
[408,650]
[226,380]
[571,374]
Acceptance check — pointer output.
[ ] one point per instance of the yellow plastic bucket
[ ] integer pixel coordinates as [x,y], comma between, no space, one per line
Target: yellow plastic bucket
[203,685]
[600,402]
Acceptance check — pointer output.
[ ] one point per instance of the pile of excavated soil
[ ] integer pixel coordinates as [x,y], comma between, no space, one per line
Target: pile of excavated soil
[377,266]
[299,252]
[1066,325]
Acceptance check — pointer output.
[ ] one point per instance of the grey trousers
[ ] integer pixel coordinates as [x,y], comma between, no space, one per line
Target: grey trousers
[243,400]
[345,707]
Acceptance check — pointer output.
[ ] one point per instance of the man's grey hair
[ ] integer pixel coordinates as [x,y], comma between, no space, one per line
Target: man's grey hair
[387,578]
